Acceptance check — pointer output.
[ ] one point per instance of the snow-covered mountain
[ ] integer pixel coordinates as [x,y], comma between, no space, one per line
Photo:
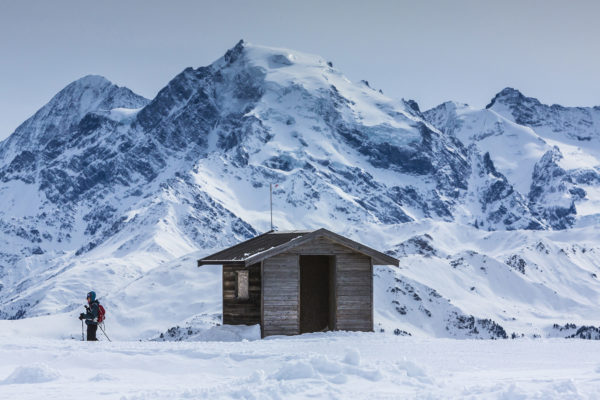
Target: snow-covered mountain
[548,154]
[104,189]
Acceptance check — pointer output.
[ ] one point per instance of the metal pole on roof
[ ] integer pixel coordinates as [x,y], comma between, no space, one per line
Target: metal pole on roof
[271,201]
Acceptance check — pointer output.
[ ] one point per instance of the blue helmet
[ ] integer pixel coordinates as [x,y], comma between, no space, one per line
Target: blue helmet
[92,295]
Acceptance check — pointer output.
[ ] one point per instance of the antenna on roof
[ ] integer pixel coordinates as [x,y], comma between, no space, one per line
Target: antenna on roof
[271,201]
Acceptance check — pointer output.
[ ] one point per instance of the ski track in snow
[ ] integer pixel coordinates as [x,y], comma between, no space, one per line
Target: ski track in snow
[331,365]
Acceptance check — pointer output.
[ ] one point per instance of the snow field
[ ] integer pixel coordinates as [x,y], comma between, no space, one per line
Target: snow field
[467,268]
[336,365]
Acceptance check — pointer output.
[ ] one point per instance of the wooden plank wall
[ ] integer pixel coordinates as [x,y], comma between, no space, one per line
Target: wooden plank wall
[354,292]
[353,289]
[353,283]
[241,312]
[281,295]
[321,246]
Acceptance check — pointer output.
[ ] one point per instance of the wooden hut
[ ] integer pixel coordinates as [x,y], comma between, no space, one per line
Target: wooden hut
[299,281]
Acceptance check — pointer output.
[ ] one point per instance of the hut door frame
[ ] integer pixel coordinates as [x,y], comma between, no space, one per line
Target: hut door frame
[331,292]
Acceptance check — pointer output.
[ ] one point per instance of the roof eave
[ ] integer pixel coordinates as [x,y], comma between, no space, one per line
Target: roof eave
[208,261]
[278,249]
[377,257]
[386,261]
[220,262]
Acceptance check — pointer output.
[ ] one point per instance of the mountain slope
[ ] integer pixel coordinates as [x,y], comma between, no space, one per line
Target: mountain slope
[539,155]
[103,183]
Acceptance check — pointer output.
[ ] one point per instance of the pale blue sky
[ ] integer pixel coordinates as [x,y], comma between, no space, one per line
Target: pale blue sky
[430,51]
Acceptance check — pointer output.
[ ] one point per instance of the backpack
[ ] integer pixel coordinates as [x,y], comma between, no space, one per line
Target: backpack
[101,313]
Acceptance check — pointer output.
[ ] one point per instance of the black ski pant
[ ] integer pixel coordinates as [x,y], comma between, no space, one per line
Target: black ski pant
[91,331]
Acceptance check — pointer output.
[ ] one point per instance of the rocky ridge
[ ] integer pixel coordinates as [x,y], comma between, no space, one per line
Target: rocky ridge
[102,173]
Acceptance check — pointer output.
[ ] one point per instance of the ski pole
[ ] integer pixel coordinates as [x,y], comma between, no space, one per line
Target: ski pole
[82,330]
[102,329]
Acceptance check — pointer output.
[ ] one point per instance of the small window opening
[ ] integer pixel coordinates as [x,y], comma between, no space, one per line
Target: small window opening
[241,290]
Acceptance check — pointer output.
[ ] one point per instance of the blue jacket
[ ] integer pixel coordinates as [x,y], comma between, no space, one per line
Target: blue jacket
[91,316]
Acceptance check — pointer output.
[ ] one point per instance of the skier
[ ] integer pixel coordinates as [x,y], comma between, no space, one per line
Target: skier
[91,316]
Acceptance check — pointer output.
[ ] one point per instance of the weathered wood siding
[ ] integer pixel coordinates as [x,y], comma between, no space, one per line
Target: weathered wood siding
[321,246]
[354,292]
[237,311]
[353,298]
[281,295]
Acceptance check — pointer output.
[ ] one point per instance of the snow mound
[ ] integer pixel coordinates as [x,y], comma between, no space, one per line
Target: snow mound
[37,373]
[413,370]
[326,366]
[220,333]
[229,333]
[352,357]
[295,370]
[321,367]
[102,377]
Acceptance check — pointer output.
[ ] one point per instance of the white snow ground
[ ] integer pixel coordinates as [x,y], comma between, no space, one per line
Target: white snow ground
[326,365]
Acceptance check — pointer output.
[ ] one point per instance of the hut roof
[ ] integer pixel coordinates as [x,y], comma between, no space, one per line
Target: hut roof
[274,242]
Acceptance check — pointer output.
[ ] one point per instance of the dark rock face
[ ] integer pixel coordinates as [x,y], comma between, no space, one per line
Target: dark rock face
[501,205]
[498,190]
[22,167]
[577,123]
[414,106]
[199,96]
[424,155]
[421,244]
[420,152]
[510,96]
[552,193]
[586,332]
[517,263]
[476,326]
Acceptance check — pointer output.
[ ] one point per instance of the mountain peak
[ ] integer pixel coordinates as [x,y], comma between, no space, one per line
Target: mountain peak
[508,91]
[90,93]
[234,53]
[94,86]
[510,96]
[413,105]
[270,58]
[92,80]
[452,105]
[444,110]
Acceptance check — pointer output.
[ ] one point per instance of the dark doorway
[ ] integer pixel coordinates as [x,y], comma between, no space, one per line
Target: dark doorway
[316,292]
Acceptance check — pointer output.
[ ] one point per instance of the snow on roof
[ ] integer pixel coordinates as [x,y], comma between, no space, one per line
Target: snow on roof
[252,247]
[271,243]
